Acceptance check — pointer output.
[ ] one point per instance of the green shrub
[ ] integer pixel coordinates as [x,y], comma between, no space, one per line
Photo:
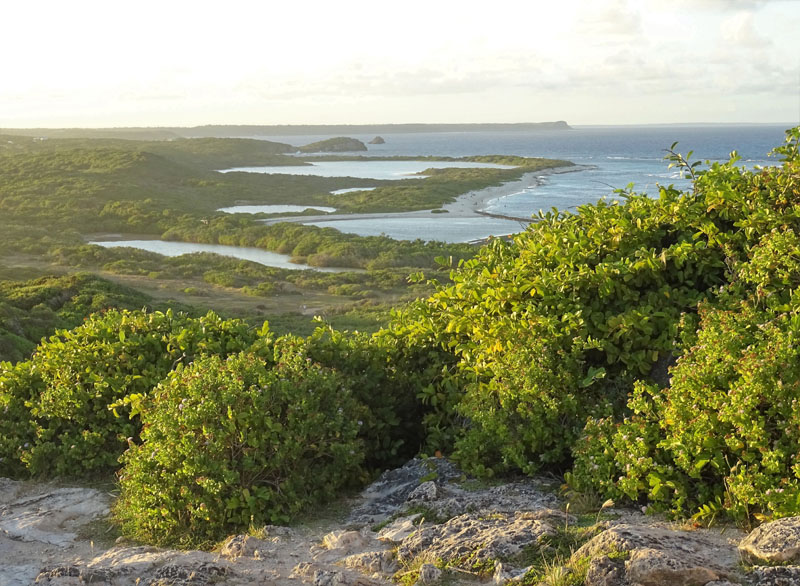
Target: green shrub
[79,374]
[725,434]
[19,385]
[380,377]
[231,443]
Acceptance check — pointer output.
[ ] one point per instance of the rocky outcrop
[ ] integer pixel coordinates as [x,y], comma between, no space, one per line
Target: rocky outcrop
[340,144]
[775,543]
[662,556]
[377,140]
[436,527]
[472,540]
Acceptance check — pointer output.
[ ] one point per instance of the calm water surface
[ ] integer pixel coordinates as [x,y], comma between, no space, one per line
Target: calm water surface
[367,169]
[264,257]
[273,209]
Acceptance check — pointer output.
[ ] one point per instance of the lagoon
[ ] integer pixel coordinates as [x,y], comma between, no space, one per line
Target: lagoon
[273,209]
[264,257]
[439,227]
[350,190]
[392,170]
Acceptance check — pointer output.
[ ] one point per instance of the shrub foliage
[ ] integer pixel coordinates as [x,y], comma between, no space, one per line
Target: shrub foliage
[243,441]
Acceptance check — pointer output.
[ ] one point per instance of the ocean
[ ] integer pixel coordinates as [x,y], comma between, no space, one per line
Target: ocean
[614,157]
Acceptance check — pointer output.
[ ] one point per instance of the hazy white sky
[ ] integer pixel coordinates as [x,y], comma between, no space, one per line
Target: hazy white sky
[181,63]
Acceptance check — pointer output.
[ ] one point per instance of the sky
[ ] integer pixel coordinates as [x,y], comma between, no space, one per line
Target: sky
[88,63]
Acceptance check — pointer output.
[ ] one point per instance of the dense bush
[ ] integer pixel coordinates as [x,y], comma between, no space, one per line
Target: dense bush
[232,443]
[33,309]
[560,322]
[386,380]
[724,434]
[74,377]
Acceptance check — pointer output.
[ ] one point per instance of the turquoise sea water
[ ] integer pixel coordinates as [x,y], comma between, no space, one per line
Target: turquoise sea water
[615,156]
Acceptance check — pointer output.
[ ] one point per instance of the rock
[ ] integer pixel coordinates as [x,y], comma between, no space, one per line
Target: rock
[51,515]
[180,575]
[604,571]
[130,561]
[474,538]
[330,576]
[504,574]
[371,562]
[344,540]
[245,545]
[425,492]
[387,495]
[377,140]
[658,567]
[399,529]
[775,542]
[429,574]
[777,576]
[660,556]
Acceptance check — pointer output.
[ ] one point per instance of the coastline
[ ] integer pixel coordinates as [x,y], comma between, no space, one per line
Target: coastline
[469,205]
[474,203]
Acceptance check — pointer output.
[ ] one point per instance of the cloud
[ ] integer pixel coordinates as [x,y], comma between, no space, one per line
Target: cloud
[726,5]
[615,18]
[740,29]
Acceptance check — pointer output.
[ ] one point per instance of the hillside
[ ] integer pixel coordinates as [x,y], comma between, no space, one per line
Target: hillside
[647,350]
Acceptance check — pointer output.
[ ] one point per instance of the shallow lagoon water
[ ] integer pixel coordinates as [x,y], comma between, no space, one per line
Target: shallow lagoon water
[273,209]
[264,257]
[437,227]
[394,170]
[350,190]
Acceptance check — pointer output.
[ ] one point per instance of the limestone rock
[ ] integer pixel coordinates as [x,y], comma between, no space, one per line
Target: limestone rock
[399,529]
[777,576]
[388,494]
[377,140]
[322,575]
[429,574]
[130,561]
[344,540]
[774,542]
[658,567]
[51,515]
[504,574]
[604,571]
[425,492]
[474,537]
[181,574]
[660,556]
[245,546]
[371,562]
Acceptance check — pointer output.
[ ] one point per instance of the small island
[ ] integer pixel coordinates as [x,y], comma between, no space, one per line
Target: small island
[377,140]
[340,144]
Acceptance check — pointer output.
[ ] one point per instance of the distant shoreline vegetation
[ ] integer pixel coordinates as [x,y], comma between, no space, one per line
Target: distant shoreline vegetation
[230,130]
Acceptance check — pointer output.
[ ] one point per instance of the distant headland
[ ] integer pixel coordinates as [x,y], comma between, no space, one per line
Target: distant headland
[246,131]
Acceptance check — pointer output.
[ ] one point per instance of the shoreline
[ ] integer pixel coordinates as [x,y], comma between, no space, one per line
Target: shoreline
[468,205]
[474,203]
